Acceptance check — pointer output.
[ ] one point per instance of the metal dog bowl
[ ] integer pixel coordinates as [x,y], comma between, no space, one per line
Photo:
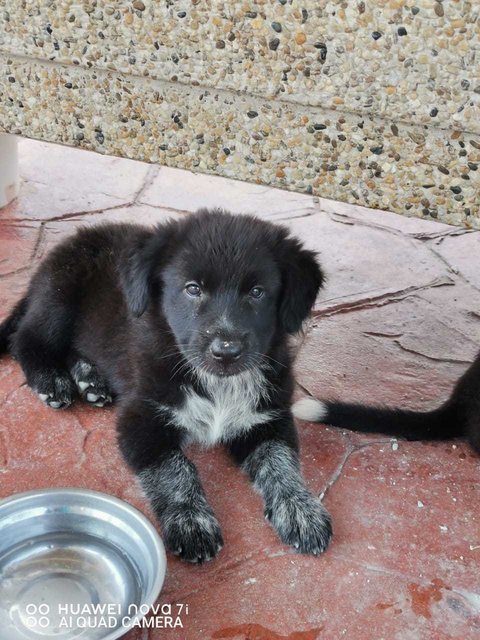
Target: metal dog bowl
[75,564]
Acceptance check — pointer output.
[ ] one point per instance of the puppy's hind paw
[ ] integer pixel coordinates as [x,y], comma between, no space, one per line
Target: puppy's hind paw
[56,389]
[96,395]
[91,386]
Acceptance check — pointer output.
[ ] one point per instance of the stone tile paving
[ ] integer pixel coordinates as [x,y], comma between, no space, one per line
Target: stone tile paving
[398,322]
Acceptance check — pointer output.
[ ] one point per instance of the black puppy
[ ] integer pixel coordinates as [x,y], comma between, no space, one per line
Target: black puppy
[188,324]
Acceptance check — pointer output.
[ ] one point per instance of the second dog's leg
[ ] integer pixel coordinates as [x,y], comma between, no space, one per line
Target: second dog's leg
[151,446]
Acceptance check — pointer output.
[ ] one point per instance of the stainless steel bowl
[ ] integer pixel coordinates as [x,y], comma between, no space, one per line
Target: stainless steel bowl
[75,564]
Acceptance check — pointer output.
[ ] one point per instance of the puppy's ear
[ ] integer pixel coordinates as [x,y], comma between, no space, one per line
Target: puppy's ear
[301,281]
[137,273]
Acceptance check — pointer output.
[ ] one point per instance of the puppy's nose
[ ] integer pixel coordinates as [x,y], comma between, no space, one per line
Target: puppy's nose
[226,350]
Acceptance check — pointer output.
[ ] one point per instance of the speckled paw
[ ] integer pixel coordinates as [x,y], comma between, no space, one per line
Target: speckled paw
[91,386]
[56,389]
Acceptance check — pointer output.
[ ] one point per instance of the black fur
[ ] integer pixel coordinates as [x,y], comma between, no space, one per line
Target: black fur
[170,320]
[458,417]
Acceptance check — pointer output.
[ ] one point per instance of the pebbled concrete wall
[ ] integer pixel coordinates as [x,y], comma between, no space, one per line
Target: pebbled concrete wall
[371,102]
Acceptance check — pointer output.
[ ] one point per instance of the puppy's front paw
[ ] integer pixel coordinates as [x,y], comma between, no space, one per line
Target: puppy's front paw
[301,522]
[55,388]
[192,533]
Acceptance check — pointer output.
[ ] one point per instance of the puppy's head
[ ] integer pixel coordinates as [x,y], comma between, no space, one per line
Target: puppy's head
[228,285]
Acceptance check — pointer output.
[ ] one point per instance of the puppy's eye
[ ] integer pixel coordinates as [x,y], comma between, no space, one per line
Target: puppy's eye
[193,289]
[256,292]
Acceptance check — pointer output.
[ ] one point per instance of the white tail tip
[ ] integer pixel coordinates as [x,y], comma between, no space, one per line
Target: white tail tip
[309,409]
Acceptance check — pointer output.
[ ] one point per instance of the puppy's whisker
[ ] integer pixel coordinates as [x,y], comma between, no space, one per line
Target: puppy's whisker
[260,363]
[187,364]
[180,368]
[177,352]
[264,355]
[170,354]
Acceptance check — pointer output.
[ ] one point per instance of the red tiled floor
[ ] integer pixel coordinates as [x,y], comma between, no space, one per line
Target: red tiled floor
[59,181]
[211,191]
[397,323]
[18,247]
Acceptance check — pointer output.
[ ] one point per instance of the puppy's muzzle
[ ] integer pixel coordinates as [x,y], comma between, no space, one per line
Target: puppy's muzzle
[226,351]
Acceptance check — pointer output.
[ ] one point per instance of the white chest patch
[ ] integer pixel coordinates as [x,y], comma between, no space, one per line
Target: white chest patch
[228,409]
